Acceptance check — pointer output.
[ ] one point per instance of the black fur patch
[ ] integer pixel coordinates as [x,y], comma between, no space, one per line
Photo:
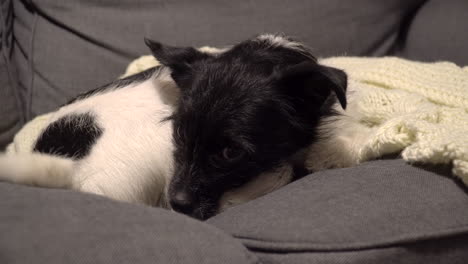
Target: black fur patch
[136,78]
[71,136]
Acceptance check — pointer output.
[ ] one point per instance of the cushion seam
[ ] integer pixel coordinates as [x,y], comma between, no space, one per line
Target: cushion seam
[11,76]
[288,246]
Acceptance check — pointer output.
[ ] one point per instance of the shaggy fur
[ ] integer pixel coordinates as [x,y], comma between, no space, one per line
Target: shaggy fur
[251,109]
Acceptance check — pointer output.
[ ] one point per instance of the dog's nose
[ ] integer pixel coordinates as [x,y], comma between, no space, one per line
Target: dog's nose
[182,203]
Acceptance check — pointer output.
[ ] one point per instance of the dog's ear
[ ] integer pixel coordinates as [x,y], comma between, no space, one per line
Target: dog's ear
[313,83]
[178,59]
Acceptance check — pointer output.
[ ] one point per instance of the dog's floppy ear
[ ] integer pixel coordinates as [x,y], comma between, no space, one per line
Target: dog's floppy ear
[178,59]
[312,83]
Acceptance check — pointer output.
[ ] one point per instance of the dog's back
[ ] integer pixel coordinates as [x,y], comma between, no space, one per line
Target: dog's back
[112,141]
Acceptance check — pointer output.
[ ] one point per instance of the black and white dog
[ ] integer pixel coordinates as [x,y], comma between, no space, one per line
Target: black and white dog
[205,132]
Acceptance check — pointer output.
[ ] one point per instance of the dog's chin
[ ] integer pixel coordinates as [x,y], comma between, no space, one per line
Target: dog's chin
[205,212]
[262,184]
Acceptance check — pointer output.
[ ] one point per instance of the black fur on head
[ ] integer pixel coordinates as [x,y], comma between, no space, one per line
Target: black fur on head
[242,112]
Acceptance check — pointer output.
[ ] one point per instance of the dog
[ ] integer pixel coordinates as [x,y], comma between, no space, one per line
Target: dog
[256,107]
[204,132]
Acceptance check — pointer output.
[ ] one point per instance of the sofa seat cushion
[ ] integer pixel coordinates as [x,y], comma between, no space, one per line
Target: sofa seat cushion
[59,226]
[357,212]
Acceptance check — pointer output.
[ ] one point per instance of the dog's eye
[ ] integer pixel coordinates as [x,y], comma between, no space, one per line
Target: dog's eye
[232,154]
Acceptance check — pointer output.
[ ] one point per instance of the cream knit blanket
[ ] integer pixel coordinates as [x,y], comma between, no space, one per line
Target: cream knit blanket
[395,105]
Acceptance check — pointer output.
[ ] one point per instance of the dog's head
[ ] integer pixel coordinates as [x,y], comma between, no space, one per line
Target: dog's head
[242,112]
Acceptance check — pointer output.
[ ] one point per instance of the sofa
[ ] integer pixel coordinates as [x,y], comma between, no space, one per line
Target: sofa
[382,211]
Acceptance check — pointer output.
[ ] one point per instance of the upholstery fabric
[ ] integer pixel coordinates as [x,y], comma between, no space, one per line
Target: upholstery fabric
[437,33]
[386,211]
[11,117]
[447,250]
[95,39]
[57,226]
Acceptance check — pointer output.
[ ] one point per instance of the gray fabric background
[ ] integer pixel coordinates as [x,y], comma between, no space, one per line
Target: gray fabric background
[95,40]
[57,226]
[448,250]
[438,32]
[11,117]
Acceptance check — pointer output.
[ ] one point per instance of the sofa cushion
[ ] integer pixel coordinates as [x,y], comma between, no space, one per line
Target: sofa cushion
[78,45]
[59,226]
[438,32]
[385,211]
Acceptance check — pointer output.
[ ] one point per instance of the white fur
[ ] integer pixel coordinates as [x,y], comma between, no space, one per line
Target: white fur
[37,169]
[336,148]
[131,161]
[278,40]
[263,184]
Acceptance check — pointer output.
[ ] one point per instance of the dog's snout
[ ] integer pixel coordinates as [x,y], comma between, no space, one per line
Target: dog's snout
[182,202]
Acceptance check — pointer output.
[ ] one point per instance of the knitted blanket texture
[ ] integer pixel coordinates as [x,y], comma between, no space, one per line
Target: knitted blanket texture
[418,109]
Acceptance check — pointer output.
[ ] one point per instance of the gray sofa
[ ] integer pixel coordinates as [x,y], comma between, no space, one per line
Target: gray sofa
[383,211]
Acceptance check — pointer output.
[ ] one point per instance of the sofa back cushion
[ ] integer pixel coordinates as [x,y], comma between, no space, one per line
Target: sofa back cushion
[11,114]
[436,32]
[78,45]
